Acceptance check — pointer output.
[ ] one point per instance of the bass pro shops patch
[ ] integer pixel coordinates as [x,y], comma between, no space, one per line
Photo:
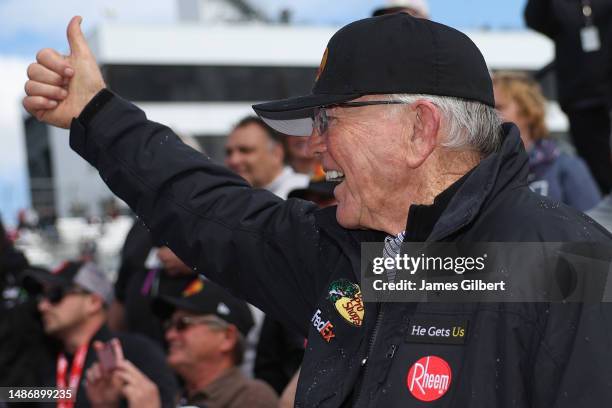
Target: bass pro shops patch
[347,299]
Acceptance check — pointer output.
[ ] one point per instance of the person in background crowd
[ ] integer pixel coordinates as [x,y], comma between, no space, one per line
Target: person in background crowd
[582,33]
[416,8]
[205,329]
[72,305]
[279,354]
[136,286]
[12,263]
[121,381]
[299,158]
[553,174]
[256,152]
[21,336]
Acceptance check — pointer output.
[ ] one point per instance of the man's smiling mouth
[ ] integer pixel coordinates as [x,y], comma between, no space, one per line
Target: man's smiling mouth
[334,175]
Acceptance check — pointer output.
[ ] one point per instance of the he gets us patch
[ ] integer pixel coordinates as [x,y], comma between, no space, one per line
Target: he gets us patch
[437,330]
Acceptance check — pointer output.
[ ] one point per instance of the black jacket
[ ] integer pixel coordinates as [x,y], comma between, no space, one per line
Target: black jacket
[283,257]
[583,78]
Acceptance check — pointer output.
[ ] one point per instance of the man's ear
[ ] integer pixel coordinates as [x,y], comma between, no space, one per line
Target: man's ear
[425,132]
[94,303]
[229,339]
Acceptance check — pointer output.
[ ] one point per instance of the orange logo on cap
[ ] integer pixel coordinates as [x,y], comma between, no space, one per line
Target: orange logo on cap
[322,65]
[194,287]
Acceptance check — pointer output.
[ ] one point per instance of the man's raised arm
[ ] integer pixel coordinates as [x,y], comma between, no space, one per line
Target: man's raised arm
[263,249]
[60,86]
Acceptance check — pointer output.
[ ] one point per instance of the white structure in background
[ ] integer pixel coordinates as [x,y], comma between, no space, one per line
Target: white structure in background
[212,12]
[200,79]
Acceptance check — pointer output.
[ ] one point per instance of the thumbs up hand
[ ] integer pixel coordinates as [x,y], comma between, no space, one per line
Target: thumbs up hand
[60,86]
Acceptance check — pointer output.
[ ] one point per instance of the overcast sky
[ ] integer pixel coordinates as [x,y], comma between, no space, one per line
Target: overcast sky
[28,25]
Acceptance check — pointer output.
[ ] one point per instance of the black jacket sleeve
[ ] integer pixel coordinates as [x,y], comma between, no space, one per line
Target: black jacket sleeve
[263,249]
[539,16]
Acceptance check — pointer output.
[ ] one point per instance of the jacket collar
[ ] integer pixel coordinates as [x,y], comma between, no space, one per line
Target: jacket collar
[509,166]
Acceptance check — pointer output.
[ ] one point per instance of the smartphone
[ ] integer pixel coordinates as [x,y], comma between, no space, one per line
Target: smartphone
[107,357]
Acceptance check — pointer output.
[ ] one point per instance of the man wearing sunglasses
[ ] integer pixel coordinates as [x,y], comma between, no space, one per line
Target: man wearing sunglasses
[205,329]
[402,115]
[73,302]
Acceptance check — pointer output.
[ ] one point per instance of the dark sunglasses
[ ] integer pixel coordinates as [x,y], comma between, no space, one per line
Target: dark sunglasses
[56,294]
[184,322]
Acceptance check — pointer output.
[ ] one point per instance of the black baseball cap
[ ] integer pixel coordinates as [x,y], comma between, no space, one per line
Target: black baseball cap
[85,275]
[202,296]
[389,54]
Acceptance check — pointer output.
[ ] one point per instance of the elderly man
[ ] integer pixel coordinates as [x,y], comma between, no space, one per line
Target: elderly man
[205,328]
[72,305]
[402,115]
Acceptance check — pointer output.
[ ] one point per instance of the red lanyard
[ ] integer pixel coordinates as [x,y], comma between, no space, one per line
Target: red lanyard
[75,374]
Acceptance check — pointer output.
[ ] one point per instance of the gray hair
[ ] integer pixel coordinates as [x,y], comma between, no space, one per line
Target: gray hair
[470,125]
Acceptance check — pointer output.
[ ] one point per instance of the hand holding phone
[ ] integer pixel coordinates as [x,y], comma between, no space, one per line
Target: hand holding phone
[109,354]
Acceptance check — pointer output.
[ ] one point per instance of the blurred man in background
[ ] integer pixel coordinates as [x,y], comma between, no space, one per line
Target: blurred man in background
[256,152]
[205,329]
[299,157]
[72,305]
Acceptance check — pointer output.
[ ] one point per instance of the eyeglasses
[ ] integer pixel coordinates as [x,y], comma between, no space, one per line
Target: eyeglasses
[184,322]
[321,120]
[56,294]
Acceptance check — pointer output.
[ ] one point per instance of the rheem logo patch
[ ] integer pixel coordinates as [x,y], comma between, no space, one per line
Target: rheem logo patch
[429,378]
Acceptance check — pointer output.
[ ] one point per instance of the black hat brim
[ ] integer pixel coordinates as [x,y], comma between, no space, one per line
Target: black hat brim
[293,116]
[163,306]
[33,279]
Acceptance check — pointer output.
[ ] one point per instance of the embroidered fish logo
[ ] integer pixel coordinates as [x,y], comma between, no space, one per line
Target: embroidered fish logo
[347,299]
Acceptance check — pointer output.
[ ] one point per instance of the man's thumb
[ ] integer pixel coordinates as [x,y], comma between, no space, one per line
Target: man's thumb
[76,39]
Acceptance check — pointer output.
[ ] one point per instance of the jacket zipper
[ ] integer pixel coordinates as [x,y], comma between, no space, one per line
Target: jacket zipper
[364,362]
